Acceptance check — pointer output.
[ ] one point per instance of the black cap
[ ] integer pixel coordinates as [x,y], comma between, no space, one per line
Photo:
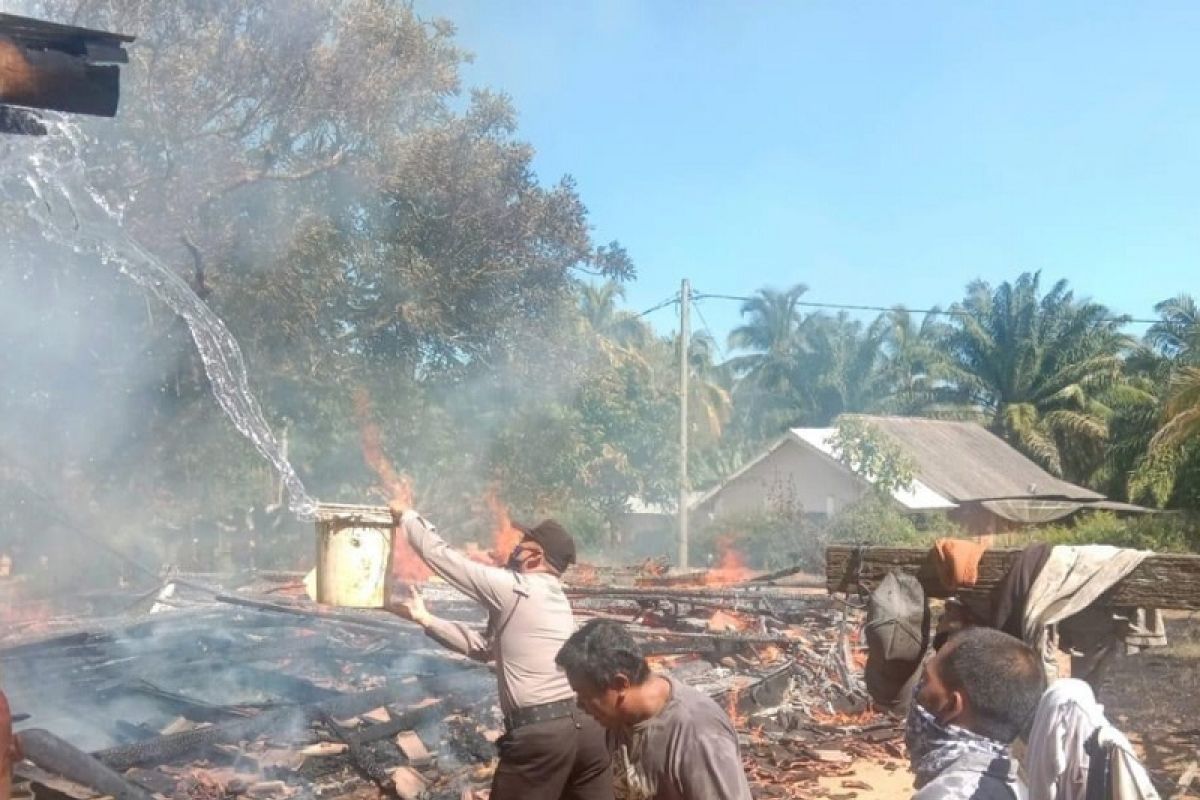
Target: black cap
[556,543]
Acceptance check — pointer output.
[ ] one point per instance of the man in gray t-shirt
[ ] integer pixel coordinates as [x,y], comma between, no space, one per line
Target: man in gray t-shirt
[668,741]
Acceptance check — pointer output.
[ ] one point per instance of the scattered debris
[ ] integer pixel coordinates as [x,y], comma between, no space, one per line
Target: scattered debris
[228,694]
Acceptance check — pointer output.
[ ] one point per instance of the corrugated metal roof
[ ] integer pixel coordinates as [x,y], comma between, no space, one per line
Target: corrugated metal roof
[956,463]
[965,462]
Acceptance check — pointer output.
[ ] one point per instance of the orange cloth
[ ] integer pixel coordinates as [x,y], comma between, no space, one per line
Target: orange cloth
[957,562]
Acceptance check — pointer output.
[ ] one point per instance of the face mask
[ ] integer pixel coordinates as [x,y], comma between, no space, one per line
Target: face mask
[514,561]
[922,733]
[932,746]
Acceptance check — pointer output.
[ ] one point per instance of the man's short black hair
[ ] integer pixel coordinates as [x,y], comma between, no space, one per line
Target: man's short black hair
[1001,677]
[600,651]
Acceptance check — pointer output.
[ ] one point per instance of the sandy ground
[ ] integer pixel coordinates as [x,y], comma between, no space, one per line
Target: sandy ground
[870,780]
[1154,697]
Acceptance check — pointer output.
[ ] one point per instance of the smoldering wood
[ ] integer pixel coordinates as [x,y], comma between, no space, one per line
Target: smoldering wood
[690,592]
[805,581]
[165,661]
[361,756]
[62,758]
[177,745]
[28,771]
[404,722]
[358,620]
[1165,581]
[765,692]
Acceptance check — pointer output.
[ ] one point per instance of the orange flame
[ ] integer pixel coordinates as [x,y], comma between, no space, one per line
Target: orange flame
[731,566]
[505,535]
[842,718]
[397,487]
[731,707]
[728,621]
[407,566]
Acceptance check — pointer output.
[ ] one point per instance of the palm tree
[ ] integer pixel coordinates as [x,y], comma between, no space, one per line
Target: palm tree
[840,369]
[1166,469]
[771,334]
[598,307]
[1182,412]
[1177,334]
[710,399]
[1156,444]
[598,303]
[1036,365]
[920,376]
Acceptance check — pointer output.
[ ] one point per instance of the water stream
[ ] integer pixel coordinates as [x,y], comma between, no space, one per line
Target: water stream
[49,171]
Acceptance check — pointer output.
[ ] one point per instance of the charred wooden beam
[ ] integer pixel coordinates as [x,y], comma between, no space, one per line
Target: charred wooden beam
[1161,581]
[451,685]
[176,745]
[646,637]
[689,593]
[404,722]
[767,691]
[361,757]
[361,621]
[805,581]
[62,758]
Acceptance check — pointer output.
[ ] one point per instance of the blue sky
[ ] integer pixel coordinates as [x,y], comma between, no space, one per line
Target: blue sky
[879,152]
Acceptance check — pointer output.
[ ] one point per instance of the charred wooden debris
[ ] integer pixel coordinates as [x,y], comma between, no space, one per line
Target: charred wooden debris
[207,690]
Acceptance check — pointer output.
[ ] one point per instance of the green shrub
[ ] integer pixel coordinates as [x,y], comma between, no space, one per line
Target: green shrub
[766,540]
[1164,533]
[774,540]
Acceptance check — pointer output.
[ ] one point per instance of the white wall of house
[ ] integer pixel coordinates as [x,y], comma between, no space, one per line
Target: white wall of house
[793,475]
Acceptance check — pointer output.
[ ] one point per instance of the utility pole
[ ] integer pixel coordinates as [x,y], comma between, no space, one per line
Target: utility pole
[685,335]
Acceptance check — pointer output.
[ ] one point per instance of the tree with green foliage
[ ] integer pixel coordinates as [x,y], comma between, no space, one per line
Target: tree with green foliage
[315,172]
[1037,364]
[772,337]
[1154,451]
[841,369]
[916,369]
[871,454]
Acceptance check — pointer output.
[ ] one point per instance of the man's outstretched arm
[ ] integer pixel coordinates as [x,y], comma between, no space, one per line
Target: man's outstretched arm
[455,636]
[488,586]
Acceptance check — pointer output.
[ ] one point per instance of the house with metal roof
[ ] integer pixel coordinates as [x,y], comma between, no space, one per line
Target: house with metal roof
[960,469]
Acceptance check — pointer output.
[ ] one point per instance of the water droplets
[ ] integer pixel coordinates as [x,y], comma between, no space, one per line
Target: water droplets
[73,213]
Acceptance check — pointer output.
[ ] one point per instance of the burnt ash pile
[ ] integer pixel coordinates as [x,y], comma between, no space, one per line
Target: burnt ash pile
[202,691]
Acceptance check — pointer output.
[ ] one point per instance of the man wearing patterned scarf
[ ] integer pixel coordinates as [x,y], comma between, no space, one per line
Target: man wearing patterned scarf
[978,694]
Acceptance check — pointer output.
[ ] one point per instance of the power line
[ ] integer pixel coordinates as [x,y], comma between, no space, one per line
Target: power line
[708,330]
[935,311]
[670,301]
